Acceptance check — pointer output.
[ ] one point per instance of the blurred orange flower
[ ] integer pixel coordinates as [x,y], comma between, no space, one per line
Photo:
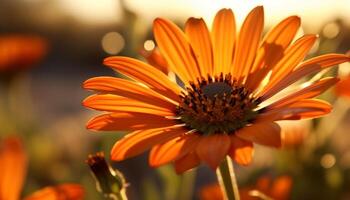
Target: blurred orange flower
[225,105]
[13,164]
[343,87]
[278,189]
[20,52]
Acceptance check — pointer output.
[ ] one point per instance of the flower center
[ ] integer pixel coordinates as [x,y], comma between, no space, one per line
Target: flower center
[217,105]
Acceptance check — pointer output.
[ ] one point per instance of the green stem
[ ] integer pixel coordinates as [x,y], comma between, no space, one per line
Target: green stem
[187,184]
[227,179]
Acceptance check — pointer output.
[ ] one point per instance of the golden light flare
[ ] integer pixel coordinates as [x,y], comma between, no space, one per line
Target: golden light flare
[331,30]
[328,160]
[112,43]
[149,45]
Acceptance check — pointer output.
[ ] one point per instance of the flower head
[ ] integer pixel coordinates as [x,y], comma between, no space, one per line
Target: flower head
[265,188]
[13,163]
[231,94]
[19,52]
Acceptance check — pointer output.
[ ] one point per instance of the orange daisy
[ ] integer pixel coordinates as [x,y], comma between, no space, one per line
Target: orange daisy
[265,188]
[13,163]
[228,96]
[20,51]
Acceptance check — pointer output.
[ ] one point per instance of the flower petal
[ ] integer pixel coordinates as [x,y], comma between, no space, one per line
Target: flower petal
[241,151]
[292,57]
[128,89]
[342,88]
[187,162]
[268,134]
[308,67]
[247,43]
[199,38]
[59,192]
[146,74]
[294,132]
[155,59]
[176,50]
[128,121]
[223,39]
[271,50]
[113,103]
[172,150]
[139,141]
[13,164]
[212,149]
[281,188]
[302,109]
[310,91]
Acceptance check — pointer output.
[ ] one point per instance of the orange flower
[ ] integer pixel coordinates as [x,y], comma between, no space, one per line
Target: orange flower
[20,52]
[13,163]
[278,189]
[229,99]
[343,88]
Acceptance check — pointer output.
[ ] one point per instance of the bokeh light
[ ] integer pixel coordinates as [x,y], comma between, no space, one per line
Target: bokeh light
[331,30]
[112,43]
[149,45]
[328,160]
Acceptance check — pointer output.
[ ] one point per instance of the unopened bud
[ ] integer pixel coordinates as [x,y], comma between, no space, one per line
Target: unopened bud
[109,182]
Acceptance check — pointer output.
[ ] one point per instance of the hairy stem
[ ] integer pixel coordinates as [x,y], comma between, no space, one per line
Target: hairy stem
[227,179]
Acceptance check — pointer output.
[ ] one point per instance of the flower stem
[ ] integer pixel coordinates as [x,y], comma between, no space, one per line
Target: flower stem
[187,184]
[227,179]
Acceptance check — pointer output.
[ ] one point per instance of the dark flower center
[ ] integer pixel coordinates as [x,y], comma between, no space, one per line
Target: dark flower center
[217,105]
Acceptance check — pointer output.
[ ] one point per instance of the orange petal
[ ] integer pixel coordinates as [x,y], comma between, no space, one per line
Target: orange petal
[187,162]
[13,164]
[212,149]
[308,67]
[241,151]
[128,89]
[310,91]
[294,132]
[199,38]
[211,192]
[281,188]
[268,134]
[128,121]
[142,140]
[292,57]
[342,88]
[223,39]
[113,103]
[172,150]
[146,74]
[302,109]
[176,50]
[263,184]
[271,50]
[59,192]
[247,43]
[155,59]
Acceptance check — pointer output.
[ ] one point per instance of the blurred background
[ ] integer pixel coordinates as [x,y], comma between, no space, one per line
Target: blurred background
[48,48]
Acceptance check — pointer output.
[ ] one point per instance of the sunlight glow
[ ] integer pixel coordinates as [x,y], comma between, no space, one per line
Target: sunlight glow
[92,11]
